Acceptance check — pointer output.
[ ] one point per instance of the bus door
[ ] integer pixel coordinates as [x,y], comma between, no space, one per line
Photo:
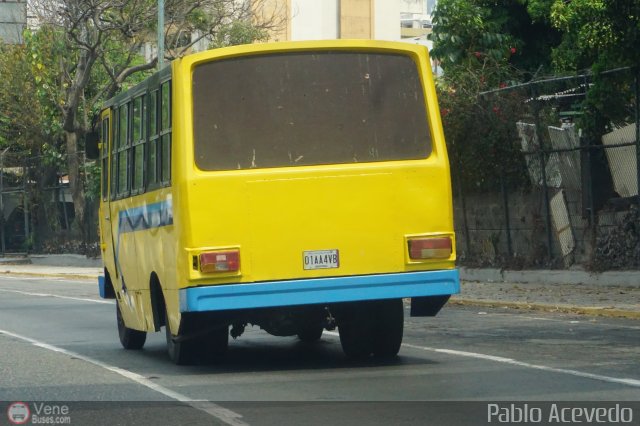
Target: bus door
[106,225]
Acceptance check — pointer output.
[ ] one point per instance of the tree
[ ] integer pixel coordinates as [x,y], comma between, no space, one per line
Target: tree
[518,33]
[103,38]
[30,132]
[600,33]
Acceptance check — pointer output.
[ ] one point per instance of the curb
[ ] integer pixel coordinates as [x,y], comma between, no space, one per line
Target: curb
[50,275]
[552,277]
[545,307]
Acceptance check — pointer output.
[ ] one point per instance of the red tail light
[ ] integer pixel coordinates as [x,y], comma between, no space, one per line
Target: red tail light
[430,248]
[220,261]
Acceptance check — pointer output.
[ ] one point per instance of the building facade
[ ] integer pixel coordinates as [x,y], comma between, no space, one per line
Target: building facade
[338,19]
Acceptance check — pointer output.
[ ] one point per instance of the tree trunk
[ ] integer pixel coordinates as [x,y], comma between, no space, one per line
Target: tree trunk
[75,182]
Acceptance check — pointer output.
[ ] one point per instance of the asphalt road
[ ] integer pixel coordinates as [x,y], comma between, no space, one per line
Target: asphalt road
[59,343]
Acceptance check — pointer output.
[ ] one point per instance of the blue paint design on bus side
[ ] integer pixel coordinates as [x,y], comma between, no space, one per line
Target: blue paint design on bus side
[319,290]
[145,217]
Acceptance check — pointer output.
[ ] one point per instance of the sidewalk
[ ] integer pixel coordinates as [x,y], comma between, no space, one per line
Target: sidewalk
[611,294]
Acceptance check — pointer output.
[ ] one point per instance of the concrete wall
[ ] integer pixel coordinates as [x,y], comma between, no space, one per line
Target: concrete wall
[615,244]
[13,18]
[487,226]
[487,235]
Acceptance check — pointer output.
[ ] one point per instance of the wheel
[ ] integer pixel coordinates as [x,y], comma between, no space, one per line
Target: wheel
[129,338]
[389,328]
[310,333]
[356,331]
[180,352]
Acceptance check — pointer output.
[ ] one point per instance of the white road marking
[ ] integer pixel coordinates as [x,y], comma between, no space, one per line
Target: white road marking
[510,361]
[598,323]
[223,414]
[81,299]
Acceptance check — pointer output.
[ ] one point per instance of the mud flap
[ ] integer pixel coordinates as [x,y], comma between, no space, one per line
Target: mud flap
[427,306]
[105,289]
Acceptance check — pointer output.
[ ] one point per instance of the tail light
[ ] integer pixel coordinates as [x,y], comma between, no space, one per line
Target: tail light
[220,261]
[430,248]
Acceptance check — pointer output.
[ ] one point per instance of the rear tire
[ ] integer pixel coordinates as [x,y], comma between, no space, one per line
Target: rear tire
[180,352]
[356,331]
[129,338]
[389,328]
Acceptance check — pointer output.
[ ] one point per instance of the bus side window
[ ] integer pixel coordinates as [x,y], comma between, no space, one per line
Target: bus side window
[151,170]
[165,133]
[114,151]
[123,150]
[138,119]
[104,154]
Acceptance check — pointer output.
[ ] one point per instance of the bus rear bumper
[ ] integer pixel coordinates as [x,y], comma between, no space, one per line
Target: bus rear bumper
[319,291]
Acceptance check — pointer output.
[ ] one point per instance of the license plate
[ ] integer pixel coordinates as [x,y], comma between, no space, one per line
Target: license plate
[321,259]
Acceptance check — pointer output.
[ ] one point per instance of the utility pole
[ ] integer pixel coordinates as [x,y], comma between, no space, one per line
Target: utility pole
[160,34]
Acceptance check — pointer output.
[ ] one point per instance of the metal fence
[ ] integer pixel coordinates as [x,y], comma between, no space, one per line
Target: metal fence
[549,175]
[36,208]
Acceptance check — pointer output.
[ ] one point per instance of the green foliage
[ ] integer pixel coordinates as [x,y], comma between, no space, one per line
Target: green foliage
[27,119]
[515,32]
[604,33]
[238,32]
[92,175]
[466,32]
[480,130]
[600,35]
[476,42]
[486,44]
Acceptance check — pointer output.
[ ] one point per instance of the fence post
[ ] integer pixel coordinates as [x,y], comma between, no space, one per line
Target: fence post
[637,90]
[505,203]
[545,188]
[465,222]
[25,204]
[2,236]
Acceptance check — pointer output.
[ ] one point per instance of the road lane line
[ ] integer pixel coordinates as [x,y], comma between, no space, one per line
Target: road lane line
[586,322]
[609,379]
[82,299]
[510,361]
[223,414]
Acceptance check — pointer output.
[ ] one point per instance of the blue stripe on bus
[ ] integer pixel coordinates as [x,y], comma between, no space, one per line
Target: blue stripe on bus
[140,218]
[145,217]
[319,290]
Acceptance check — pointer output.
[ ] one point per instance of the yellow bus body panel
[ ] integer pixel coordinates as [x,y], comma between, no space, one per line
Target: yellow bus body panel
[366,211]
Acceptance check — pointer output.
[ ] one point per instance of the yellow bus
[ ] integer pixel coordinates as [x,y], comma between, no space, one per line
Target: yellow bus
[296,186]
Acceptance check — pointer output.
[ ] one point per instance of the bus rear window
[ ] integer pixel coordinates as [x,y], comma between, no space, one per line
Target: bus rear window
[308,108]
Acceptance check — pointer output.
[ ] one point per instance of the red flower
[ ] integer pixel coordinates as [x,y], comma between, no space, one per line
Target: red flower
[478,54]
[513,50]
